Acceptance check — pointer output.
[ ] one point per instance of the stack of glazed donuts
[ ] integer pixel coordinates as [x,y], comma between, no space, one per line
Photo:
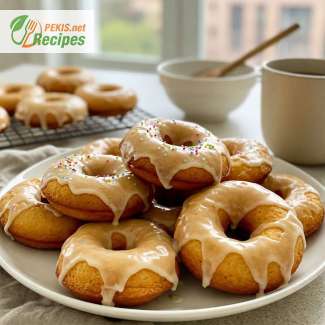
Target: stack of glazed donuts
[62,95]
[125,213]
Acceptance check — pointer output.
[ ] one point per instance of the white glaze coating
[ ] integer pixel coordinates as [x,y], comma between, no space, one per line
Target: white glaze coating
[147,247]
[105,146]
[199,221]
[148,140]
[101,175]
[247,151]
[294,191]
[62,106]
[20,198]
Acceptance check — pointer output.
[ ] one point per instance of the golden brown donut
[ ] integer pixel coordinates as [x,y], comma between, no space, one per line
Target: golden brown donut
[64,79]
[12,94]
[107,99]
[95,188]
[105,146]
[51,110]
[267,251]
[300,196]
[4,119]
[126,265]
[32,222]
[174,154]
[250,160]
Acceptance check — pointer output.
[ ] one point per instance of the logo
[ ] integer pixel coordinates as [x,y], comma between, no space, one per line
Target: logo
[23,30]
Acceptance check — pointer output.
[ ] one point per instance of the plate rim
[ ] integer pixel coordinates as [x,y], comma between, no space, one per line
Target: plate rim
[157,315]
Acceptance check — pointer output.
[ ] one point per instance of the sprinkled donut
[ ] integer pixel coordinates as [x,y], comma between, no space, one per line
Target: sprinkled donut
[4,119]
[262,261]
[105,146]
[64,79]
[32,222]
[174,154]
[107,99]
[300,196]
[12,94]
[250,160]
[125,265]
[51,110]
[95,188]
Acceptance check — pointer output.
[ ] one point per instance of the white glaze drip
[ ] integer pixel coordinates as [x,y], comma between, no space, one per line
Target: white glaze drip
[107,179]
[199,221]
[20,198]
[148,140]
[61,106]
[147,247]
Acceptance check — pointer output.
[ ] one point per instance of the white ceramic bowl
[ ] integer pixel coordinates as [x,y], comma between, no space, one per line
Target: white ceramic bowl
[205,99]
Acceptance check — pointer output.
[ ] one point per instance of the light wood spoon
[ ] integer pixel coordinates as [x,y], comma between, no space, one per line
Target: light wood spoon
[220,72]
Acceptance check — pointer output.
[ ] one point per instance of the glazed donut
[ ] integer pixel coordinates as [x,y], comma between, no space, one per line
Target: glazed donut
[51,110]
[4,119]
[126,265]
[64,79]
[174,154]
[105,146]
[95,188]
[32,222]
[262,260]
[12,94]
[250,160]
[107,99]
[300,196]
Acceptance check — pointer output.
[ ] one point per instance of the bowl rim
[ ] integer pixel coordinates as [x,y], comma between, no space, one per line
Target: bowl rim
[162,72]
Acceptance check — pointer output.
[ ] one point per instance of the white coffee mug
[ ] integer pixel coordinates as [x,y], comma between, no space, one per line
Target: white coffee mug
[293,109]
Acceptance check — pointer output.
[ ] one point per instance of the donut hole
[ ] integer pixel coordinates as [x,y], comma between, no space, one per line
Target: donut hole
[13,89]
[99,167]
[117,242]
[238,233]
[179,134]
[68,70]
[107,88]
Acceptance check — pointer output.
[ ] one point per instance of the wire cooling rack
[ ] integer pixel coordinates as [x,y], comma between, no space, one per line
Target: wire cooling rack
[18,134]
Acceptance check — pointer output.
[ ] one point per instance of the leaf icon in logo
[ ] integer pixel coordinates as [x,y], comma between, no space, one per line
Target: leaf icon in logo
[18,22]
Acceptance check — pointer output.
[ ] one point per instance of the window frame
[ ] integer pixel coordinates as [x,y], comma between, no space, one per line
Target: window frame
[181,30]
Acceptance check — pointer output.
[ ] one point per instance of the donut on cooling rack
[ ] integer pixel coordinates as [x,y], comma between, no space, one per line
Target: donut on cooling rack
[32,222]
[105,146]
[12,94]
[127,265]
[51,110]
[175,154]
[300,196]
[64,79]
[264,250]
[95,188]
[4,119]
[107,99]
[250,160]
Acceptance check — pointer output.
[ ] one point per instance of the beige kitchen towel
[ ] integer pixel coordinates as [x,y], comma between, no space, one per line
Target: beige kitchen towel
[19,305]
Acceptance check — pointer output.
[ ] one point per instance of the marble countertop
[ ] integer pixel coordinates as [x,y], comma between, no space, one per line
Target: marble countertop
[304,307]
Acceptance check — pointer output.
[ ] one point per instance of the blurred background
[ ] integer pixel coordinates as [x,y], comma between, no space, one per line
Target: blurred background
[138,34]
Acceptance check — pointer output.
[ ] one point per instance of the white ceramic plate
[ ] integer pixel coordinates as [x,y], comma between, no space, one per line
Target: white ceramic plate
[35,269]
